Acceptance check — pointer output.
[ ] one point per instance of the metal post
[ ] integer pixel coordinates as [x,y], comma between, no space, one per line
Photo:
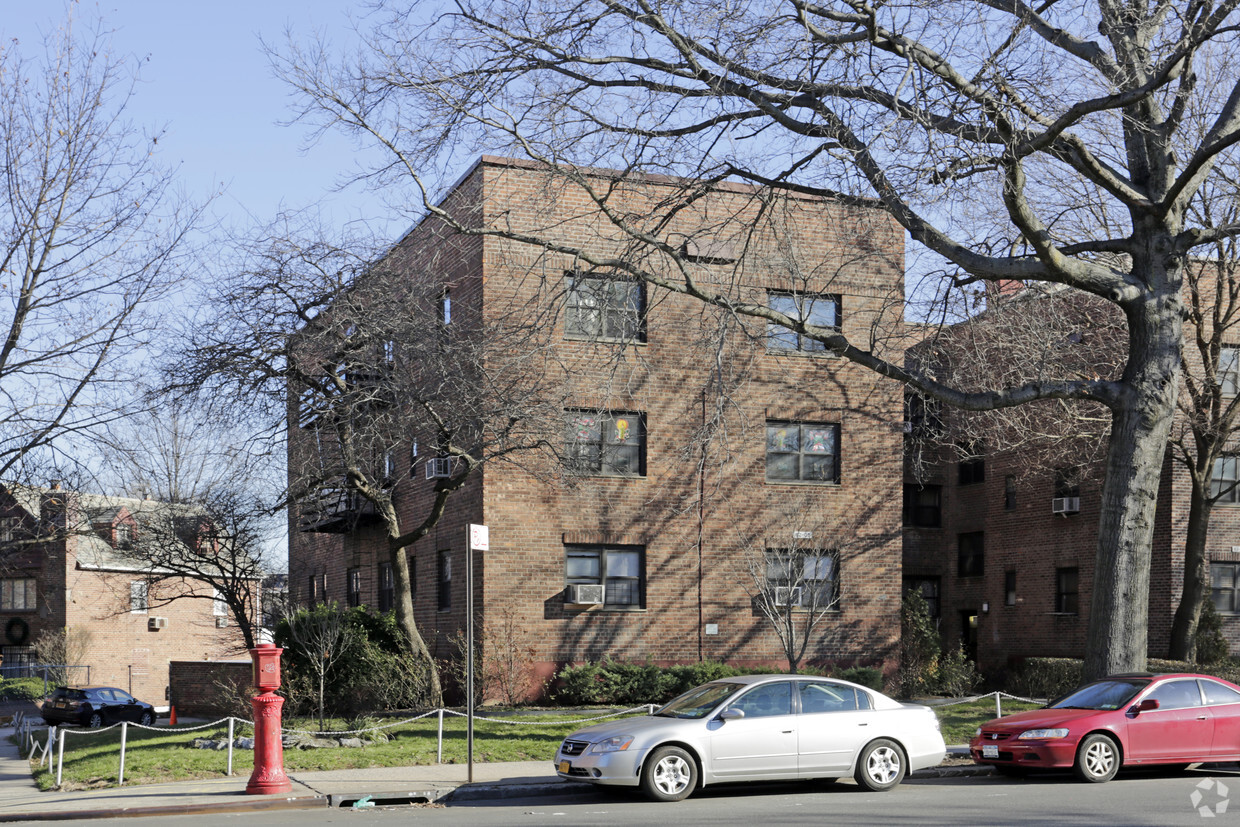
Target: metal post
[120,776]
[230,744]
[60,764]
[998,705]
[439,757]
[469,658]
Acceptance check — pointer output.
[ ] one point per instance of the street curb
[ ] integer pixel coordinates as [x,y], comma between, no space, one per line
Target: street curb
[482,792]
[303,802]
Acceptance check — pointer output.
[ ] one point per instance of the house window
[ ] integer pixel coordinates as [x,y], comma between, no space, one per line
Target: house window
[124,535]
[1009,493]
[445,580]
[445,307]
[18,594]
[971,554]
[353,594]
[805,578]
[318,589]
[599,307]
[922,419]
[800,451]
[929,589]
[138,594]
[821,311]
[387,588]
[921,506]
[1225,587]
[9,528]
[1066,592]
[219,607]
[1068,482]
[1223,487]
[1229,370]
[619,569]
[972,468]
[611,444]
[1009,588]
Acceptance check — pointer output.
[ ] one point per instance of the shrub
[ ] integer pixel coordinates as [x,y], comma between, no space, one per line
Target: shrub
[1211,643]
[21,689]
[920,648]
[865,675]
[1045,677]
[581,685]
[957,674]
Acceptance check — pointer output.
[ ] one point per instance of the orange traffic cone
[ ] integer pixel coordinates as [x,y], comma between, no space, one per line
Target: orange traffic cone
[172,716]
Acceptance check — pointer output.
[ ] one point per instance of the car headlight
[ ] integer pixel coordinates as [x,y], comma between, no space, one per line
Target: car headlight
[977,733]
[1043,734]
[615,743]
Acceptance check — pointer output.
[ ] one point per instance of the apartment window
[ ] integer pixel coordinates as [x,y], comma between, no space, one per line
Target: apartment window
[9,528]
[219,607]
[1225,587]
[972,467]
[970,554]
[611,444]
[444,580]
[930,590]
[353,594]
[445,307]
[1009,493]
[1068,482]
[818,310]
[19,594]
[138,594]
[1066,591]
[1229,370]
[922,506]
[922,419]
[124,535]
[619,569]
[318,589]
[387,588]
[599,307]
[1223,487]
[1009,588]
[805,578]
[801,451]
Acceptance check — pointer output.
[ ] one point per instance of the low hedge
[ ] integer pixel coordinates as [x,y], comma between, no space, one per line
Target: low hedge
[1052,677]
[21,689]
[619,683]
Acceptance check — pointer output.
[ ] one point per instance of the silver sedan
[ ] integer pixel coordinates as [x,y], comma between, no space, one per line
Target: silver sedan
[758,728]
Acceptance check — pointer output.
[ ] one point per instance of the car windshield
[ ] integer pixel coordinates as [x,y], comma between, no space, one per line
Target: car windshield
[697,703]
[1101,695]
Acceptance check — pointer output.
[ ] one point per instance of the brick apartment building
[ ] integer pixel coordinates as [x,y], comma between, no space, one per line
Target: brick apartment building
[648,554]
[66,568]
[1003,548]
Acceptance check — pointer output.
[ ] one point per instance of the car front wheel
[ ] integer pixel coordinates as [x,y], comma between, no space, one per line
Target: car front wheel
[1097,759]
[147,719]
[670,774]
[881,765]
[96,720]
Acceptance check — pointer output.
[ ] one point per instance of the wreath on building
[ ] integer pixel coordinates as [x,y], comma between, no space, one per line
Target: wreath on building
[16,631]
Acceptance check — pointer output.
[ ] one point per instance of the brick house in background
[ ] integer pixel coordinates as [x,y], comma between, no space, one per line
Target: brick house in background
[65,566]
[647,554]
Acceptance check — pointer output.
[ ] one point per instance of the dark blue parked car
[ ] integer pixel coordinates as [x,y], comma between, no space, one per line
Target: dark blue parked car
[95,706]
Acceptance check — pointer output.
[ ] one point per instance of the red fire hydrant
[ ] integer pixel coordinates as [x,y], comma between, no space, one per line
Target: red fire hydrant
[268,776]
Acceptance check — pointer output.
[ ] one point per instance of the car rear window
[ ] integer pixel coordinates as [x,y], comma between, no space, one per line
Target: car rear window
[70,694]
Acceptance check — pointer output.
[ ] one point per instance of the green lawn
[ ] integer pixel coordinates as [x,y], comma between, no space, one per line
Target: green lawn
[167,754]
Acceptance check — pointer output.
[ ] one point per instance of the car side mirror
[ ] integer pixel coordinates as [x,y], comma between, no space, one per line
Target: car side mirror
[1144,706]
[731,714]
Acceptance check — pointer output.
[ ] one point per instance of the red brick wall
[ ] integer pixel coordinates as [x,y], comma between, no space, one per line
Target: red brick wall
[194,685]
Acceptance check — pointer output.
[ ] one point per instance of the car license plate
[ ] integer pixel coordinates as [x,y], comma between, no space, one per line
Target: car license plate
[990,750]
[564,767]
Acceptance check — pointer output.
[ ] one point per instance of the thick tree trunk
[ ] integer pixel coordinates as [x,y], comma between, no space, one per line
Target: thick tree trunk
[1196,578]
[1118,632]
[403,588]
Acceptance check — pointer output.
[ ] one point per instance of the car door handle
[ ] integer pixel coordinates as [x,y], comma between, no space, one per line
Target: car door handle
[1201,717]
[864,723]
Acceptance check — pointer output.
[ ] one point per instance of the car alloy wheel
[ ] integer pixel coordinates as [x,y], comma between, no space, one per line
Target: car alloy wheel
[147,719]
[881,765]
[670,774]
[1097,759]
[96,720]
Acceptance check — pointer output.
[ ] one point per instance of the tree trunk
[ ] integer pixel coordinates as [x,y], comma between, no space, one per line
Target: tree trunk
[1196,577]
[1117,639]
[403,589]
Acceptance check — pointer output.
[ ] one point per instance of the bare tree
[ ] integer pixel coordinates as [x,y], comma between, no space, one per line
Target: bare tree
[91,243]
[323,638]
[384,373]
[1041,144]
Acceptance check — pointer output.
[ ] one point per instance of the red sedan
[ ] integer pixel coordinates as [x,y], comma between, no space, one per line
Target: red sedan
[1123,720]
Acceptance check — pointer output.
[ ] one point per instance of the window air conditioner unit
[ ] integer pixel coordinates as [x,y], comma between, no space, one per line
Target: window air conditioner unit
[154,624]
[787,595]
[584,594]
[438,468]
[1065,505]
[221,622]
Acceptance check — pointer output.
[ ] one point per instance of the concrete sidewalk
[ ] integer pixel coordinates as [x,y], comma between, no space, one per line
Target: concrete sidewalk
[21,800]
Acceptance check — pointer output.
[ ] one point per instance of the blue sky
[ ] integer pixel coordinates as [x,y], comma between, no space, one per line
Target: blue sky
[205,77]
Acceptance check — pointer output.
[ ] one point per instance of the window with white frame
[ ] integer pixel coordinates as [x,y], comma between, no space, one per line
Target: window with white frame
[1229,370]
[619,569]
[611,444]
[219,606]
[603,307]
[353,592]
[1225,587]
[803,578]
[138,594]
[18,594]
[800,451]
[817,310]
[1223,482]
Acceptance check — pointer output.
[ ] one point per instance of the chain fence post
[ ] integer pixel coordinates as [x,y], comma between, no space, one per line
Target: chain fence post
[439,757]
[120,775]
[998,704]
[231,721]
[60,764]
